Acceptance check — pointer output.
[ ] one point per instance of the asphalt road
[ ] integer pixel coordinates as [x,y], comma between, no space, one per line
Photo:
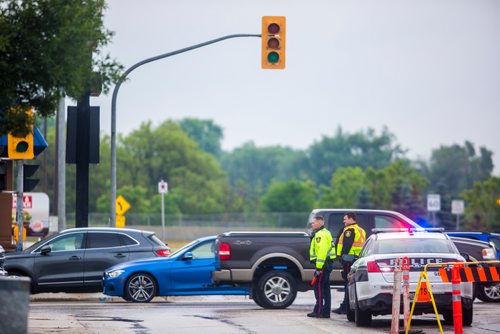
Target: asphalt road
[96,313]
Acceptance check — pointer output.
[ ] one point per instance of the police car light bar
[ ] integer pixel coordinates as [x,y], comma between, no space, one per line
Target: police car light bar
[410,229]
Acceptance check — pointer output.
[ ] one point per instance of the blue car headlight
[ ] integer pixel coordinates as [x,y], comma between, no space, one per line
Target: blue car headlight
[114,273]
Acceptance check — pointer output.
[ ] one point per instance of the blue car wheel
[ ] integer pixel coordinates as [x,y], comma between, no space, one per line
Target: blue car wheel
[140,288]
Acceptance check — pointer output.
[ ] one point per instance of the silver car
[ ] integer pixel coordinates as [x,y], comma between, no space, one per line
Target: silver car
[372,275]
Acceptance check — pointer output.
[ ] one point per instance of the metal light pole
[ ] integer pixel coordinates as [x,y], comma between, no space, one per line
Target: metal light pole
[112,193]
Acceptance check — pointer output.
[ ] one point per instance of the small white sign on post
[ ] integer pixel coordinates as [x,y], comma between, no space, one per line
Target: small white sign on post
[162,187]
[433,202]
[457,207]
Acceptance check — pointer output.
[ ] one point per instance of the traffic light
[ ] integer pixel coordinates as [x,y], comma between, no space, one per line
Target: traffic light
[3,175]
[28,183]
[20,148]
[273,42]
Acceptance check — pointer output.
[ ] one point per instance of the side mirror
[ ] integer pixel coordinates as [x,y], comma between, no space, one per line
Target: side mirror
[467,257]
[187,256]
[46,249]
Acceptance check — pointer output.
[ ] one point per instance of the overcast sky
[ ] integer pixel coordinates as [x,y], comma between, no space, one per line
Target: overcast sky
[429,70]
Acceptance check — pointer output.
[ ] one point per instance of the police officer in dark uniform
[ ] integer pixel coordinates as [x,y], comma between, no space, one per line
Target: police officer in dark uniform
[349,245]
[321,253]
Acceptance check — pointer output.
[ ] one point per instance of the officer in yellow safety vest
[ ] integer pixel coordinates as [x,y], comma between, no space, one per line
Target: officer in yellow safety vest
[350,242]
[321,253]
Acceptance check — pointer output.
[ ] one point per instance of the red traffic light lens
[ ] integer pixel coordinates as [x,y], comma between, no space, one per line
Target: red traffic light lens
[273,43]
[273,57]
[273,28]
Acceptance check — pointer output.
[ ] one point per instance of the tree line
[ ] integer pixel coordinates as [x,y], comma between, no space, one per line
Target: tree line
[365,169]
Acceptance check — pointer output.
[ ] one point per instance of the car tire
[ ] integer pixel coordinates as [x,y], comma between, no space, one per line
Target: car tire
[489,292]
[467,316]
[20,274]
[276,290]
[140,288]
[349,313]
[362,318]
[255,297]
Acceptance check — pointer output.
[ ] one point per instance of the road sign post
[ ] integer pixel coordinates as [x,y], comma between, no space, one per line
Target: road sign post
[163,189]
[457,208]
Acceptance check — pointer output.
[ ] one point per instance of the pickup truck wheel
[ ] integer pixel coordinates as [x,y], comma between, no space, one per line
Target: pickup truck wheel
[276,290]
[489,292]
[255,297]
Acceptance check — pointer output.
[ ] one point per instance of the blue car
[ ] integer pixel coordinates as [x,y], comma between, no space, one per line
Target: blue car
[187,272]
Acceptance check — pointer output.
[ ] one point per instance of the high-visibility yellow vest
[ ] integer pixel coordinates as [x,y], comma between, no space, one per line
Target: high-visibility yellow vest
[359,240]
[322,248]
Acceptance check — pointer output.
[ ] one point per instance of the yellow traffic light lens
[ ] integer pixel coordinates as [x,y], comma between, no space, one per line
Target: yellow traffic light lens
[22,147]
[273,28]
[273,57]
[273,43]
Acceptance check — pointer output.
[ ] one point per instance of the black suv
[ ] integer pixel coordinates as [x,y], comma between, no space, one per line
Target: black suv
[75,259]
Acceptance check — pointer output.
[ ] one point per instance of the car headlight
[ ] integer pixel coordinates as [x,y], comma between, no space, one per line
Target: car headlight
[114,273]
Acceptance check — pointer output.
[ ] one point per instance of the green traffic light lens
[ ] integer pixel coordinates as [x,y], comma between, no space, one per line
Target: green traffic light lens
[22,147]
[273,57]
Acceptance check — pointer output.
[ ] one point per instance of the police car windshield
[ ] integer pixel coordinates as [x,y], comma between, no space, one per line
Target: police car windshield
[417,245]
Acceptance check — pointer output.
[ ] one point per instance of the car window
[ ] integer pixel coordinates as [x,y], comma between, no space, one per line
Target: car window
[388,222]
[68,242]
[204,251]
[496,242]
[102,240]
[126,240]
[415,245]
[367,249]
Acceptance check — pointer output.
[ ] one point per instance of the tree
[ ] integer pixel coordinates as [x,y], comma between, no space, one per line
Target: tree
[289,196]
[205,133]
[196,182]
[456,167]
[344,189]
[46,49]
[482,212]
[251,169]
[362,149]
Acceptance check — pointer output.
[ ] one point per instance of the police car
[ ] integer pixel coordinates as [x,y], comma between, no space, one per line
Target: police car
[372,275]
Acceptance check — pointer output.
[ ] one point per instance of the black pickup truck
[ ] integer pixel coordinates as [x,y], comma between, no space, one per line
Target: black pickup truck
[275,265]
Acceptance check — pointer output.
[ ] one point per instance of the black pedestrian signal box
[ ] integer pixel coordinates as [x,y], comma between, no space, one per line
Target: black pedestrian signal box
[273,42]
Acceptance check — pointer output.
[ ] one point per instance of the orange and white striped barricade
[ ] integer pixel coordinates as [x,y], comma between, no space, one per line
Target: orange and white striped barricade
[396,297]
[406,289]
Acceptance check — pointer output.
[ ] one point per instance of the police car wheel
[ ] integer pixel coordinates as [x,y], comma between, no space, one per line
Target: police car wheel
[362,318]
[489,293]
[276,289]
[467,316]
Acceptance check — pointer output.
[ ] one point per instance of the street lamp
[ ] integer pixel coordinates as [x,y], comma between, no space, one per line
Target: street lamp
[112,194]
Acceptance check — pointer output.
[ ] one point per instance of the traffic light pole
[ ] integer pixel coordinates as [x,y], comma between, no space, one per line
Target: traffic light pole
[19,205]
[112,194]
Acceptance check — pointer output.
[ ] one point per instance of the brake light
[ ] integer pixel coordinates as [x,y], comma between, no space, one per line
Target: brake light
[373,267]
[224,252]
[163,252]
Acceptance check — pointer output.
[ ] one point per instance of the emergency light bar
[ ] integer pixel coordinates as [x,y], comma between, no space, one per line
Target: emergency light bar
[408,229]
